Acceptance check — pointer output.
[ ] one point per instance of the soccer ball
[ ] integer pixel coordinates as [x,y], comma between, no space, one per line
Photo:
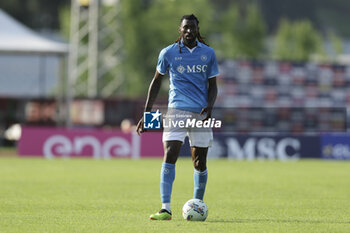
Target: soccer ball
[195,210]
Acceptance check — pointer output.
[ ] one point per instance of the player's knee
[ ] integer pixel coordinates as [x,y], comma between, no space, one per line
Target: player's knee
[170,159]
[170,156]
[200,165]
[171,151]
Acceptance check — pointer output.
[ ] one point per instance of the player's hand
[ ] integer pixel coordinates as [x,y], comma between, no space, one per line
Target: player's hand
[139,127]
[206,110]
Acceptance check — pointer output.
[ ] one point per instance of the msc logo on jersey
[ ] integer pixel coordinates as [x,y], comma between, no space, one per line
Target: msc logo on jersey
[192,69]
[151,120]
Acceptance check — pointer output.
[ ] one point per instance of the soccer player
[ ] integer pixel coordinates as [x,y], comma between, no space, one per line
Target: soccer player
[192,68]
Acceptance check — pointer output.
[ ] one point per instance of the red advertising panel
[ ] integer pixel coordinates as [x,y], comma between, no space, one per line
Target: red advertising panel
[96,143]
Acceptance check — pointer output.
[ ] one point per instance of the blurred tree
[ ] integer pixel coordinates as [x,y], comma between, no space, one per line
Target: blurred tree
[135,47]
[253,37]
[307,40]
[337,45]
[227,45]
[243,32]
[165,19]
[297,41]
[284,45]
[64,20]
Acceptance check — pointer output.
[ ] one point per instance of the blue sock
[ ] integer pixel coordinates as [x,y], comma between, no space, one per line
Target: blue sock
[167,176]
[200,181]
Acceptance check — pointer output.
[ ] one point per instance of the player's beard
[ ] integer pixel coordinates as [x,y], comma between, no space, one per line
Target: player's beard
[189,40]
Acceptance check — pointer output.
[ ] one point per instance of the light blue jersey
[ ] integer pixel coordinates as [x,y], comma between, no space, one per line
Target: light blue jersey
[189,72]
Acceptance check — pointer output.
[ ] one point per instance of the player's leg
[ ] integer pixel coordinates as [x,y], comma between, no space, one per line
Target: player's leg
[173,138]
[167,176]
[200,176]
[200,140]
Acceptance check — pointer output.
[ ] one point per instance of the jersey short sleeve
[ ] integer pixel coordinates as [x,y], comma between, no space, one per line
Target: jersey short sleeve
[163,64]
[213,69]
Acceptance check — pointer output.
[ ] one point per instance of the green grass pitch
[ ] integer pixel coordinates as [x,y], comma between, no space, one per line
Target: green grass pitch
[85,195]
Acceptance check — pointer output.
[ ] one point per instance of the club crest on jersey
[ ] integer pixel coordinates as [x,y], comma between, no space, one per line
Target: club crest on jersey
[204,57]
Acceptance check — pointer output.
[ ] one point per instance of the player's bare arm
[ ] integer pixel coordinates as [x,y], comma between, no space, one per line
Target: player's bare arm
[212,93]
[153,91]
